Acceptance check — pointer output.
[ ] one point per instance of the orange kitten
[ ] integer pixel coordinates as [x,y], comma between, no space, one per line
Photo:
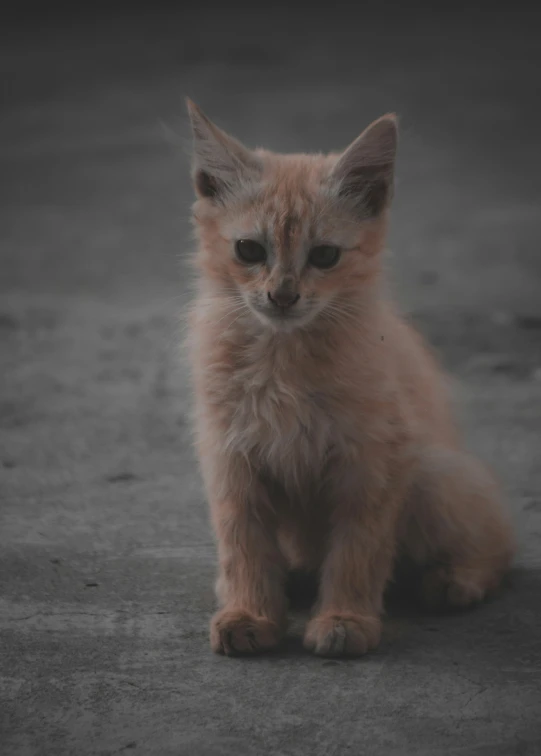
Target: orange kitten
[322,424]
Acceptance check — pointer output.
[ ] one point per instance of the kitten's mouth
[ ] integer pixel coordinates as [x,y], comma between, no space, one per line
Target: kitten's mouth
[275,312]
[282,313]
[281,317]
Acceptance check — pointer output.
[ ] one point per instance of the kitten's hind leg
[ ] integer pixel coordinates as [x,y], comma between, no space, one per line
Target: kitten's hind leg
[457,528]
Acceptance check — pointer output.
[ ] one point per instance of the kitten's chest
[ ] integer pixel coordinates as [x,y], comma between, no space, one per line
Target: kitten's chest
[279,423]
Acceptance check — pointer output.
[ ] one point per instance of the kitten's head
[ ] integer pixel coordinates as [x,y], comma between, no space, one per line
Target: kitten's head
[292,237]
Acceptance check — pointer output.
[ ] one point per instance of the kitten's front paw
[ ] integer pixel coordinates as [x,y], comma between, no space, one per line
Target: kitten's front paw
[342,634]
[237,632]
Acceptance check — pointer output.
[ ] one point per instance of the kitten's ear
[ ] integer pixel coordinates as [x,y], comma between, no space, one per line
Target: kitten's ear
[220,163]
[364,172]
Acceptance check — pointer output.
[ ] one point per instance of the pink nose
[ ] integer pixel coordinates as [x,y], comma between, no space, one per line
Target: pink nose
[283,297]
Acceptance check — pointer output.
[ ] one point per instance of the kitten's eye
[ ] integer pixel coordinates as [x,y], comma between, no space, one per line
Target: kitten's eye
[324,256]
[251,252]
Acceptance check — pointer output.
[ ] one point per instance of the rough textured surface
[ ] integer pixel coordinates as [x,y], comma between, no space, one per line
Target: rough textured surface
[107,560]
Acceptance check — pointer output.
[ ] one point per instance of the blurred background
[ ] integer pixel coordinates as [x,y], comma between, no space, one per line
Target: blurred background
[107,561]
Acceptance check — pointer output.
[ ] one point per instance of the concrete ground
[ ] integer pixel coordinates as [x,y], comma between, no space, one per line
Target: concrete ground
[107,560]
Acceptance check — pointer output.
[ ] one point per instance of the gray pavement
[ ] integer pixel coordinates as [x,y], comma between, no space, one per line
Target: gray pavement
[106,557]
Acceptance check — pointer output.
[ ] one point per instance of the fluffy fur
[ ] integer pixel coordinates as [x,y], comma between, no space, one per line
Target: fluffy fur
[323,430]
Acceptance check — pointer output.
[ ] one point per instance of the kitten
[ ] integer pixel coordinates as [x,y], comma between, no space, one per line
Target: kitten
[322,425]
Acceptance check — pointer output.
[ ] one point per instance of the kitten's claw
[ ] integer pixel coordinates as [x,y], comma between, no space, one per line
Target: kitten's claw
[342,634]
[236,632]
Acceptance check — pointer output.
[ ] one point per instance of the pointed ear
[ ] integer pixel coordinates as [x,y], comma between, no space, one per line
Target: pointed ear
[364,172]
[221,164]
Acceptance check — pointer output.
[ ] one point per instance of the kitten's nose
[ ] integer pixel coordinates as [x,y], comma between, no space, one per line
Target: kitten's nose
[283,297]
